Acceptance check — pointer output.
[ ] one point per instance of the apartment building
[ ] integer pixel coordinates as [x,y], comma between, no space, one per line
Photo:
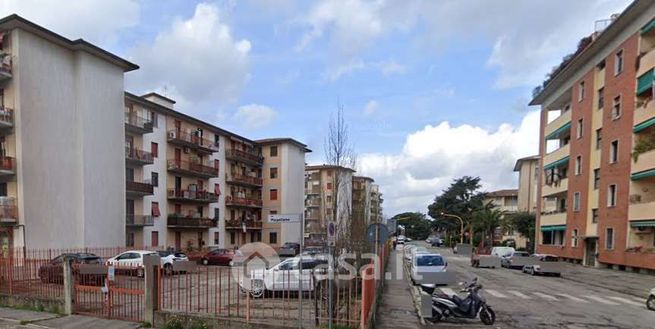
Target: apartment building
[62,164]
[597,184]
[328,191]
[507,201]
[283,185]
[361,193]
[528,183]
[376,204]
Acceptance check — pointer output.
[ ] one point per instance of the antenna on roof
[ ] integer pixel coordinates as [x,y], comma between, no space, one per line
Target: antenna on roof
[165,90]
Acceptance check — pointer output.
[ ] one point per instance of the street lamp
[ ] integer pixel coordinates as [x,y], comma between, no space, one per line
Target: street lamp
[461,221]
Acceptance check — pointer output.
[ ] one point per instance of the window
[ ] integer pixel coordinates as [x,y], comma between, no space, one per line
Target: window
[232,237]
[155,179]
[273,194]
[217,214]
[578,165]
[329,173]
[596,178]
[154,238]
[576,201]
[581,91]
[129,239]
[272,237]
[614,151]
[328,199]
[155,209]
[574,238]
[154,149]
[216,235]
[599,138]
[273,173]
[580,126]
[616,108]
[601,98]
[217,189]
[217,163]
[618,62]
[273,150]
[329,186]
[217,140]
[594,215]
[272,212]
[609,238]
[611,195]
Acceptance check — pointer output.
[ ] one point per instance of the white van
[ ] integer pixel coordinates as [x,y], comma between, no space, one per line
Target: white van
[502,251]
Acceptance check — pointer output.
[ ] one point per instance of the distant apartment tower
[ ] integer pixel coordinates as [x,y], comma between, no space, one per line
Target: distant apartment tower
[376,204]
[597,184]
[283,172]
[507,201]
[361,193]
[328,192]
[528,183]
[61,160]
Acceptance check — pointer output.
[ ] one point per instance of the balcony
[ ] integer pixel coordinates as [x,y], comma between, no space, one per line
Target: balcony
[7,166]
[644,163]
[137,157]
[236,224]
[646,62]
[8,211]
[192,196]
[557,217]
[555,188]
[242,202]
[6,117]
[178,221]
[244,180]
[642,116]
[313,203]
[136,124]
[314,190]
[5,66]
[558,154]
[138,188]
[132,220]
[192,168]
[248,157]
[561,123]
[191,140]
[640,210]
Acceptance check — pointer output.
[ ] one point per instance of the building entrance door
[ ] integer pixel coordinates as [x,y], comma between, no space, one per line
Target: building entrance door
[590,252]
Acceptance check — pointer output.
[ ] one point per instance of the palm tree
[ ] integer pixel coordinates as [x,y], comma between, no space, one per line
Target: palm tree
[487,220]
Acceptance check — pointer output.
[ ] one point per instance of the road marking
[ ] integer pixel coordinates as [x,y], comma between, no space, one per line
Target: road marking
[627,301]
[640,300]
[519,294]
[448,291]
[573,298]
[495,293]
[601,300]
[544,296]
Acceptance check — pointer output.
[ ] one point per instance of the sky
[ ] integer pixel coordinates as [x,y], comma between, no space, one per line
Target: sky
[431,90]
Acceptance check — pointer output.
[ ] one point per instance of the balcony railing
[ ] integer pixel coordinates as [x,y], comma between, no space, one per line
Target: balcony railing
[193,196]
[139,220]
[192,140]
[6,117]
[7,165]
[315,202]
[238,224]
[8,210]
[244,202]
[250,157]
[192,168]
[244,179]
[177,220]
[141,188]
[137,123]
[135,155]
[315,189]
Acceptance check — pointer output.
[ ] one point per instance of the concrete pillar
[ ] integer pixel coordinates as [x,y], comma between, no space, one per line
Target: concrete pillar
[152,264]
[68,286]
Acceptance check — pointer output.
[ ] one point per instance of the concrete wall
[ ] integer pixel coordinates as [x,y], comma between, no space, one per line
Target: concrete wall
[293,196]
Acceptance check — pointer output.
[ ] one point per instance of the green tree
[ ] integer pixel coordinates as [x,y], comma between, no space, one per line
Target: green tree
[487,220]
[524,223]
[417,225]
[462,198]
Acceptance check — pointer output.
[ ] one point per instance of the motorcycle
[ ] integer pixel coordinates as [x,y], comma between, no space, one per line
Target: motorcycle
[474,305]
[650,302]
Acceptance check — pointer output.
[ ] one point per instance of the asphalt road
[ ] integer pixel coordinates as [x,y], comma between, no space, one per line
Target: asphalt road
[524,301]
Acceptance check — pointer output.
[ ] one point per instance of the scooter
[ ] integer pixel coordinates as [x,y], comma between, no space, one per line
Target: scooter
[650,302]
[444,306]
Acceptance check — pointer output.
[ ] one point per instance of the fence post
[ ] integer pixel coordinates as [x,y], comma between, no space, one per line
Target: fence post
[151,264]
[368,290]
[68,286]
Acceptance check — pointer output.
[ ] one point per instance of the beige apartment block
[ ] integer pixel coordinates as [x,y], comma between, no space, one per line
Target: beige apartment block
[361,203]
[507,201]
[528,168]
[62,167]
[283,176]
[376,204]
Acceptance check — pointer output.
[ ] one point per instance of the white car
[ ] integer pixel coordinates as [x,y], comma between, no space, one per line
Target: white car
[283,276]
[168,257]
[131,260]
[502,251]
[427,263]
[417,251]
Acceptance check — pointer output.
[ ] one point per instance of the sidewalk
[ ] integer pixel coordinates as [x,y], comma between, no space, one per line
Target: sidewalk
[22,319]
[396,309]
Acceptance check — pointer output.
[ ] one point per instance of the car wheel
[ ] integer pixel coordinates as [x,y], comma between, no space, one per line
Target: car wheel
[533,272]
[650,303]
[205,261]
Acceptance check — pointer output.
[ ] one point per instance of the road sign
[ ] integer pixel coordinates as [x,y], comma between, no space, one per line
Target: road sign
[332,234]
[377,232]
[284,218]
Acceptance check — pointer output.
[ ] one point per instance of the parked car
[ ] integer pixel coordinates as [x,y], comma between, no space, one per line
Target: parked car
[400,240]
[502,251]
[168,257]
[129,262]
[289,249]
[53,271]
[218,257]
[436,242]
[537,269]
[506,261]
[417,251]
[423,264]
[282,277]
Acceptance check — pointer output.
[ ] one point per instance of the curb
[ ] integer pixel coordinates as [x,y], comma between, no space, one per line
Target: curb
[416,295]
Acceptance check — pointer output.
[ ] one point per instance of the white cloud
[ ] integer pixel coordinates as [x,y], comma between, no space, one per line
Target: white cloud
[370,107]
[197,57]
[97,21]
[435,155]
[254,116]
[391,67]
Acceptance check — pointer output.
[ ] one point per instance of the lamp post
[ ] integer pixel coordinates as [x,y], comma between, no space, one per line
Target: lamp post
[461,221]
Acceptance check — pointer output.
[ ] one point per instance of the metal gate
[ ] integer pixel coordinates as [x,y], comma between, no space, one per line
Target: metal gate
[115,293]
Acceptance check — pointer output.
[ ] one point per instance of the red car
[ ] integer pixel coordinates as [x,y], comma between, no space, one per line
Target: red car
[218,257]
